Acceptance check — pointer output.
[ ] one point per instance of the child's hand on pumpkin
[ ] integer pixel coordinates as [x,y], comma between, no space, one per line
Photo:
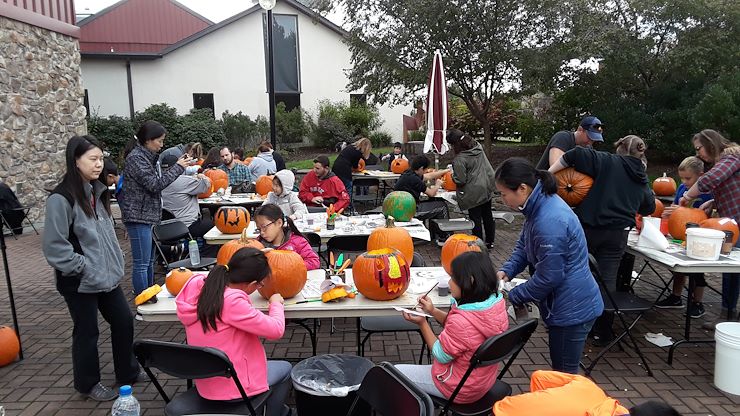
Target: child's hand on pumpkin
[277,298]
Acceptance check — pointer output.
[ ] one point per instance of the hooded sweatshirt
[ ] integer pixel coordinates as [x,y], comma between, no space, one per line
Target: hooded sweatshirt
[237,335]
[474,177]
[620,188]
[288,200]
[262,164]
[299,244]
[329,187]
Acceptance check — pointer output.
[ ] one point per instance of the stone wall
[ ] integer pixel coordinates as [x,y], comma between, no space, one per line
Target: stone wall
[41,107]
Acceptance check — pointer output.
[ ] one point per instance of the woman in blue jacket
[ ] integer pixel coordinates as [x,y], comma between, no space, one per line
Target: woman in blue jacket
[552,244]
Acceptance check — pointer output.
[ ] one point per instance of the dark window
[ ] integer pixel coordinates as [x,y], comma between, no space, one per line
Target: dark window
[291,101]
[285,53]
[357,99]
[204,101]
[87,103]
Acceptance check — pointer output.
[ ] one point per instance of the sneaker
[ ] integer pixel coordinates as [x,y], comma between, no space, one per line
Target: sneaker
[101,393]
[696,310]
[671,302]
[141,376]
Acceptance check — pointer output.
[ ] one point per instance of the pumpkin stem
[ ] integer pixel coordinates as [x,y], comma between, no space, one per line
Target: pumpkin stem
[389,222]
[244,237]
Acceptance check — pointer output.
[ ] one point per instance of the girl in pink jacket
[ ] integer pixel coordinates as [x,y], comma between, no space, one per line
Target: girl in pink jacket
[217,313]
[280,233]
[478,312]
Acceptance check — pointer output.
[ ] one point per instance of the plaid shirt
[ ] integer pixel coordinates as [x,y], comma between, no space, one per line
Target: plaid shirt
[723,181]
[238,174]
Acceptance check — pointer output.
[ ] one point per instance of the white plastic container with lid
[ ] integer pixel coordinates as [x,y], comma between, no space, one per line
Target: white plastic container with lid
[704,243]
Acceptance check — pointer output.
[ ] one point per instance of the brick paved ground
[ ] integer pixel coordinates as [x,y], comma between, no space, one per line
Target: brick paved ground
[42,383]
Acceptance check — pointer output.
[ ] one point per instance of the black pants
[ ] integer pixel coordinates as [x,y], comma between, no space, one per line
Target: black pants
[482,217]
[84,307]
[198,229]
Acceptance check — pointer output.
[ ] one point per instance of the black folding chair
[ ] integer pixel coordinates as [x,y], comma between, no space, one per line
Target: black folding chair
[13,218]
[620,304]
[316,245]
[189,362]
[494,350]
[362,185]
[174,233]
[355,244]
[389,393]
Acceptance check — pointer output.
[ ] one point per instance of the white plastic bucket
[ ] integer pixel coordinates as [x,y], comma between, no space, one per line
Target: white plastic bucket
[704,243]
[727,357]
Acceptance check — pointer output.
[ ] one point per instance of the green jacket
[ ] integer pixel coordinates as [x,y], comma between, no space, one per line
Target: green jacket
[474,177]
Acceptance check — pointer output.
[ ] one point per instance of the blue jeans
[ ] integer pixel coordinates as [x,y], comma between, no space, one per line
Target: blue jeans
[730,288]
[348,187]
[566,346]
[278,378]
[142,255]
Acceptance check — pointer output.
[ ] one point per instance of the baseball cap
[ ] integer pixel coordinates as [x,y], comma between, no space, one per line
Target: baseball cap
[593,127]
[324,160]
[168,160]
[397,144]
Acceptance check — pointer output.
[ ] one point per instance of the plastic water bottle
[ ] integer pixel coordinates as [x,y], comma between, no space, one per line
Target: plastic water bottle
[125,404]
[194,252]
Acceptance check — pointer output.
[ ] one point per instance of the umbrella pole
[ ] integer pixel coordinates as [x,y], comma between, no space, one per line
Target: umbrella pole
[436,161]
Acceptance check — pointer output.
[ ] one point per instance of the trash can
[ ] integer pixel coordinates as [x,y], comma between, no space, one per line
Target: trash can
[326,384]
[727,357]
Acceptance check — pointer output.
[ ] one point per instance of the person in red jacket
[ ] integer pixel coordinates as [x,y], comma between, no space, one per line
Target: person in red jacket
[321,187]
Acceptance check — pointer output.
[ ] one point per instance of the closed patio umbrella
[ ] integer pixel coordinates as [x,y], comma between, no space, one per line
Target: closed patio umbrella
[436,110]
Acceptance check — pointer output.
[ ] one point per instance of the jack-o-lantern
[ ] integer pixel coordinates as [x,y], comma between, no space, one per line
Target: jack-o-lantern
[289,274]
[682,215]
[391,236]
[457,244]
[219,179]
[658,209]
[400,205]
[664,186]
[263,186]
[381,274]
[231,219]
[448,183]
[9,346]
[227,250]
[399,165]
[360,166]
[723,224]
[176,279]
[573,186]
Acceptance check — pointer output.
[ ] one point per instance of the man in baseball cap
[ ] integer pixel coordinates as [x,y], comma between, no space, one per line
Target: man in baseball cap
[589,131]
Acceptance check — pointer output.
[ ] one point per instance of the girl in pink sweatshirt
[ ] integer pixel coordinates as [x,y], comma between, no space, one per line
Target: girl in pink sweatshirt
[280,233]
[217,313]
[478,312]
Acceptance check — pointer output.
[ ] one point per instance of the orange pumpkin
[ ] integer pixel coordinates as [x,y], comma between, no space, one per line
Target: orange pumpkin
[457,244]
[219,179]
[231,219]
[247,161]
[289,274]
[391,236]
[680,216]
[664,186]
[227,250]
[448,183]
[200,161]
[263,185]
[360,166]
[573,186]
[399,165]
[723,224]
[208,192]
[658,209]
[176,279]
[9,345]
[381,274]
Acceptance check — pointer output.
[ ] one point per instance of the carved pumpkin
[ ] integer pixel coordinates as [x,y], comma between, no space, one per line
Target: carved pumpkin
[176,279]
[360,166]
[658,209]
[9,346]
[399,165]
[231,219]
[457,244]
[289,274]
[263,185]
[227,250]
[680,216]
[219,179]
[400,205]
[448,183]
[664,186]
[573,186]
[381,274]
[391,236]
[723,224]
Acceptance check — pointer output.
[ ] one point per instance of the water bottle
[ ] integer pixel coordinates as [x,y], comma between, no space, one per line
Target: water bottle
[194,252]
[125,404]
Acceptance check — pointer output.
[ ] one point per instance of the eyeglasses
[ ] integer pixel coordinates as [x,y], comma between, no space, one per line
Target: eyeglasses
[264,227]
[261,284]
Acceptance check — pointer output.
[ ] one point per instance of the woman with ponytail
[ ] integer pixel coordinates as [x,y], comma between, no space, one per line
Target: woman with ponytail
[552,245]
[280,233]
[217,312]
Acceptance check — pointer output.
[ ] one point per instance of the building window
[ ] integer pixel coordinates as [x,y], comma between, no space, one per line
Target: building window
[86,102]
[291,101]
[357,99]
[285,53]
[204,101]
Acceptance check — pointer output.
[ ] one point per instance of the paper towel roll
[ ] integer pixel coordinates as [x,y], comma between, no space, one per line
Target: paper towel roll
[651,237]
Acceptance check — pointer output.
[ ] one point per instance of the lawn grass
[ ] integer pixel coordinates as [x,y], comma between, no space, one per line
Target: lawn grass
[308,163]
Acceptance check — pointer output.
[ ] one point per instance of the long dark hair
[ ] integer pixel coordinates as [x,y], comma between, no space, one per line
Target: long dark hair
[516,171]
[246,265]
[148,131]
[474,273]
[213,158]
[274,213]
[72,180]
[109,168]
[459,140]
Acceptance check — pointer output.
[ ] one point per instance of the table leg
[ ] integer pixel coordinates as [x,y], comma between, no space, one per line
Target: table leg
[358,337]
[687,325]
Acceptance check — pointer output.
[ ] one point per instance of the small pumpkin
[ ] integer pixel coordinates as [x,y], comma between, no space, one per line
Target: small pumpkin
[381,274]
[457,244]
[680,216]
[231,219]
[176,279]
[263,185]
[10,346]
[208,192]
[227,250]
[664,186]
[289,274]
[658,209]
[360,166]
[448,183]
[400,205]
[723,224]
[219,179]
[334,294]
[573,186]
[391,236]
[399,165]
[247,161]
